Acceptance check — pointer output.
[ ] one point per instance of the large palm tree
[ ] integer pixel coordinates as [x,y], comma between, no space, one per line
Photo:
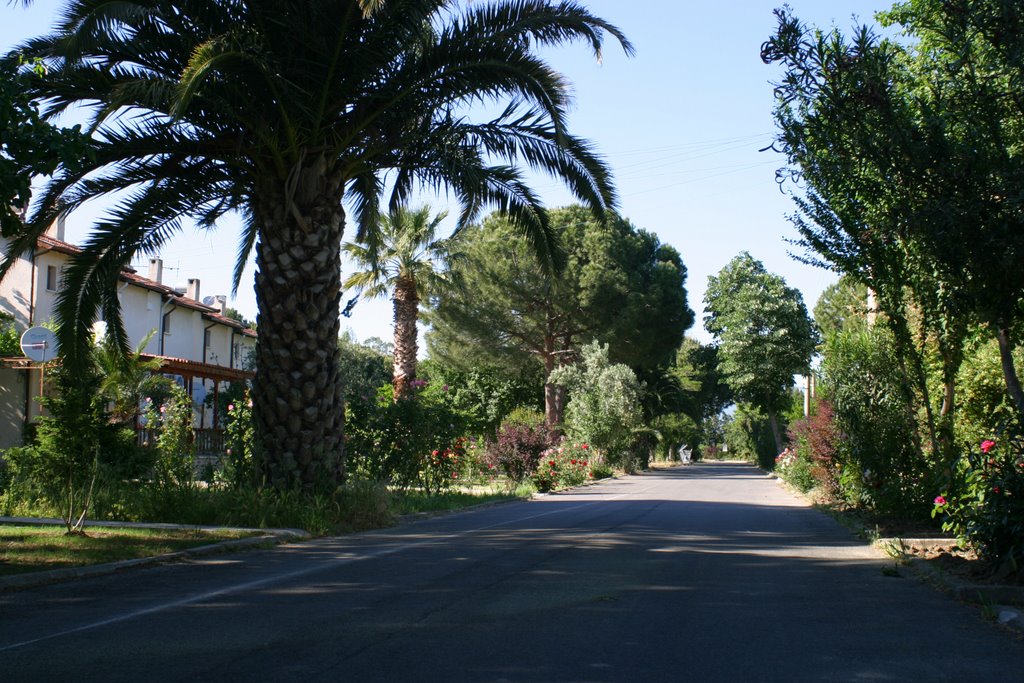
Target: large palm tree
[412,262]
[291,112]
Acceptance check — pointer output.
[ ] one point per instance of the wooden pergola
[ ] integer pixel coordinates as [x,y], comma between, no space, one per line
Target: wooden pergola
[208,439]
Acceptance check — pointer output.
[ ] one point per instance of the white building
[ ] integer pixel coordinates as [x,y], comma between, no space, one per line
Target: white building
[194,341]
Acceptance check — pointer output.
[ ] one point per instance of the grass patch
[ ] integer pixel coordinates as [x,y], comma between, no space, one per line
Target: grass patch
[39,548]
[413,501]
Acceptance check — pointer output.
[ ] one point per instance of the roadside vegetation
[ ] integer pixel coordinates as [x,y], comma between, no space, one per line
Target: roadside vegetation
[902,156]
[25,549]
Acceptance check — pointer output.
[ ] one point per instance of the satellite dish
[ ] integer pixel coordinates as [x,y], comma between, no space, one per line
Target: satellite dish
[210,301]
[39,344]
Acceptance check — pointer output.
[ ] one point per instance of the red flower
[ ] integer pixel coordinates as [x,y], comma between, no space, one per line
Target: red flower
[987,445]
[939,500]
[995,489]
[551,462]
[583,446]
[434,454]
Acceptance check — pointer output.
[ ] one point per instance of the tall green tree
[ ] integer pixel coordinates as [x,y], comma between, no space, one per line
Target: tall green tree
[763,333]
[909,153]
[412,262]
[843,306]
[292,113]
[621,286]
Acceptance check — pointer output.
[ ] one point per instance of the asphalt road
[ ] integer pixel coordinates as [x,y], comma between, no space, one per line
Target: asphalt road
[708,573]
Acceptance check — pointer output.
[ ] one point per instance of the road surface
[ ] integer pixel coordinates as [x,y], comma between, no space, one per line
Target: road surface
[711,572]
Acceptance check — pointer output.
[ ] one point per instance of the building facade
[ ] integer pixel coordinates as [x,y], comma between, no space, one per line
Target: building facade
[196,343]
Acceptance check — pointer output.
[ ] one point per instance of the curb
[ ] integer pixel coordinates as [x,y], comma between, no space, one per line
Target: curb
[1004,603]
[269,537]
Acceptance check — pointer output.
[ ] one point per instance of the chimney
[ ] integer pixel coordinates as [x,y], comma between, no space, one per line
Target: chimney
[192,292]
[156,270]
[56,229]
[220,302]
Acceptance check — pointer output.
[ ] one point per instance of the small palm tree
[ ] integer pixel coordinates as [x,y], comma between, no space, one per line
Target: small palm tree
[127,379]
[409,260]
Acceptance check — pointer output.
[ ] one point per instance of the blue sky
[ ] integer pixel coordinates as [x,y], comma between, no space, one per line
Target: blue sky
[680,123]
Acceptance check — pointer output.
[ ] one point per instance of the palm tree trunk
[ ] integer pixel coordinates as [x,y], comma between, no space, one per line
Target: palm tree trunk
[298,400]
[406,306]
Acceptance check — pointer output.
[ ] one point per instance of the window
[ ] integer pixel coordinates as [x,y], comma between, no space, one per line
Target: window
[51,278]
[167,322]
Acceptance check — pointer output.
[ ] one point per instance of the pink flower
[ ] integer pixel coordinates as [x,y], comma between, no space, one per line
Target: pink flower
[231,406]
[987,445]
[434,454]
[939,500]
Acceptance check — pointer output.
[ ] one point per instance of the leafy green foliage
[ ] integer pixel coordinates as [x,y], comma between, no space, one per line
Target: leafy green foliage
[407,259]
[842,306]
[763,333]
[881,465]
[748,435]
[815,441]
[486,395]
[127,379]
[285,112]
[29,146]
[986,509]
[604,403]
[171,422]
[240,465]
[70,444]
[363,369]
[620,286]
[10,339]
[904,153]
[393,442]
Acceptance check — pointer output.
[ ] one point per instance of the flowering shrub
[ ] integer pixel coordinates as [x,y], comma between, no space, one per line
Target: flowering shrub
[986,511]
[175,439]
[795,468]
[516,450]
[239,463]
[393,441]
[442,467]
[815,443]
[563,466]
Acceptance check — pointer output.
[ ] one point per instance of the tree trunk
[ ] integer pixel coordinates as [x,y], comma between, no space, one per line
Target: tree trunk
[1013,387]
[773,420]
[554,395]
[298,400]
[406,307]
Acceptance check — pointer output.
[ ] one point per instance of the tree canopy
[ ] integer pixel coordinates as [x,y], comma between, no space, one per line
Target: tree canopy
[411,261]
[621,286]
[29,145]
[907,157]
[763,333]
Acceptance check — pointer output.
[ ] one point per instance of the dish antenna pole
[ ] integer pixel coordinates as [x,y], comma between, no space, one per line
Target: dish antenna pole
[40,344]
